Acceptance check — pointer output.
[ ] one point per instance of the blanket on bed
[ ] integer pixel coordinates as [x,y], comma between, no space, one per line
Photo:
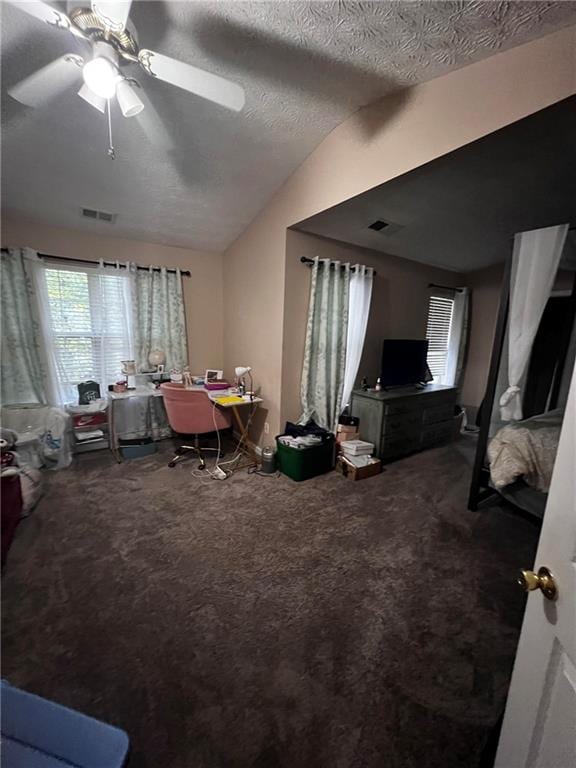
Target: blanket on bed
[527,450]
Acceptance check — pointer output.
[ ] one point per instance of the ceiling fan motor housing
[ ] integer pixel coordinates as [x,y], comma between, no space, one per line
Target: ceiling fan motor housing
[105,51]
[124,41]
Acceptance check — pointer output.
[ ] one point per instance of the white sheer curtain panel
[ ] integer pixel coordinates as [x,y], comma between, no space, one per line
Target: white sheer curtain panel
[360,295]
[458,339]
[535,262]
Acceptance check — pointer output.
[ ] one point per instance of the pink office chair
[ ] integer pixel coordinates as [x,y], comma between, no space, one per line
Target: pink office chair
[191,412]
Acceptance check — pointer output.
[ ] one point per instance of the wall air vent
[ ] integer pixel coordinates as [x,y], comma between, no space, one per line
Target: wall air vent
[378,225]
[91,213]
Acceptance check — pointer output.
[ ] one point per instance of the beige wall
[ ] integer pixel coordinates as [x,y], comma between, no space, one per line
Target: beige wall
[398,310]
[377,144]
[203,290]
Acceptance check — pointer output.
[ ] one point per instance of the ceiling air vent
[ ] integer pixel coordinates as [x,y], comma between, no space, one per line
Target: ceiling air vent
[385,227]
[378,225]
[91,213]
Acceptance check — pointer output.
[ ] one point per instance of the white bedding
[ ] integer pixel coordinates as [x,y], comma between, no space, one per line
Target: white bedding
[527,450]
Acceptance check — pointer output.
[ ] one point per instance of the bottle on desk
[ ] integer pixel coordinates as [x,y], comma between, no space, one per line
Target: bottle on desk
[378,385]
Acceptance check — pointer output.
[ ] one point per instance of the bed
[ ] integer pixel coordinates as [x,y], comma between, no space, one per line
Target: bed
[522,456]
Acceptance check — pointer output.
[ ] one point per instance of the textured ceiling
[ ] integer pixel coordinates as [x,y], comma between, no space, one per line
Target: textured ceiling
[305,68]
[461,210]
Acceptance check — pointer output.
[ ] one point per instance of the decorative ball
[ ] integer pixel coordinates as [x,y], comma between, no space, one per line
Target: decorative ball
[157,357]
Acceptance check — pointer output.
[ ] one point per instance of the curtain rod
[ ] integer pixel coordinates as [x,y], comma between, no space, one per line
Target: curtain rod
[445,287]
[183,272]
[306,260]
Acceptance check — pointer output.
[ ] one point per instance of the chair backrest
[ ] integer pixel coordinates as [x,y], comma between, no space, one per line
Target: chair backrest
[191,412]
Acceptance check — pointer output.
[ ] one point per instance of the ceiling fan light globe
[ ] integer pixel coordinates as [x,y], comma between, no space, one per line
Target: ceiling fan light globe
[91,98]
[128,99]
[101,77]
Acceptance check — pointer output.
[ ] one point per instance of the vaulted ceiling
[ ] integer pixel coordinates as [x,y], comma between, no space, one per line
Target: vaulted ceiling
[461,210]
[305,66]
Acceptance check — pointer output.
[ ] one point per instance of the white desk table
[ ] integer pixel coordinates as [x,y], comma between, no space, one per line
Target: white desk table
[134,414]
[243,426]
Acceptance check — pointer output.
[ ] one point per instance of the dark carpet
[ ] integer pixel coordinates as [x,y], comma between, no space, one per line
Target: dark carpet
[262,623]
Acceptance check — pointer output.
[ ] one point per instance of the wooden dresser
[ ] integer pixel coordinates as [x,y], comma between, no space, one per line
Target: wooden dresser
[406,420]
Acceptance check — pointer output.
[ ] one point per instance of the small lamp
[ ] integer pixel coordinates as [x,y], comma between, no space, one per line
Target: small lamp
[241,371]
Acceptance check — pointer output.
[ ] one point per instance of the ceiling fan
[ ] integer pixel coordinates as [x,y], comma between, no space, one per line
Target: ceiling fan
[113,47]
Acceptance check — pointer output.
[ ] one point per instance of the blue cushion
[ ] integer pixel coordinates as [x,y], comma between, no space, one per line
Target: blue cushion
[40,734]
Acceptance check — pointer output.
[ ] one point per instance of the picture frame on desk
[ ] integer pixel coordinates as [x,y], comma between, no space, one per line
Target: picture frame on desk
[213,375]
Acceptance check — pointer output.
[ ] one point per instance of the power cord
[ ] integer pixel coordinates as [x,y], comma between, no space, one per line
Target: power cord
[217,473]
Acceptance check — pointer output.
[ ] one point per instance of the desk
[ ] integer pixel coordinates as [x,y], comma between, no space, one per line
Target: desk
[136,413]
[139,413]
[244,445]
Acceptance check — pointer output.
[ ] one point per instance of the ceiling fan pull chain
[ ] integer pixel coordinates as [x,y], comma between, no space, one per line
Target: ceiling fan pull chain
[111,150]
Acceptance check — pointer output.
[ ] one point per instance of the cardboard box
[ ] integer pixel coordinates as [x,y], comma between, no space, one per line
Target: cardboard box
[89,419]
[357,447]
[343,436]
[347,428]
[358,473]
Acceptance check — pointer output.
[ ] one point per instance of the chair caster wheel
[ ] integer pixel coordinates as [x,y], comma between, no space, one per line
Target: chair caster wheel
[172,464]
[201,466]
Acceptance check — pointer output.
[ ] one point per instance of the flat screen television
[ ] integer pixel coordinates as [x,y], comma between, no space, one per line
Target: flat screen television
[404,362]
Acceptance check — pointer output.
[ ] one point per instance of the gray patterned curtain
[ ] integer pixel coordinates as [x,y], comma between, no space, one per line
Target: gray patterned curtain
[158,317]
[23,376]
[325,350]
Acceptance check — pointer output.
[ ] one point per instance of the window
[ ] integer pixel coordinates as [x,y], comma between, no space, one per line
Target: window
[90,326]
[440,313]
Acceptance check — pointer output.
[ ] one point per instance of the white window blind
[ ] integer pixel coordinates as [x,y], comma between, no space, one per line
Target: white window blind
[440,312]
[90,326]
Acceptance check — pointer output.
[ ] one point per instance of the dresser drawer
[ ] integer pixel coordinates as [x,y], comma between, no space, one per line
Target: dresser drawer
[425,402]
[438,413]
[394,449]
[401,422]
[399,444]
[403,406]
[436,434]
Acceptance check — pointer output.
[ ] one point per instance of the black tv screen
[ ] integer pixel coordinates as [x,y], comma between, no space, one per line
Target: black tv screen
[403,362]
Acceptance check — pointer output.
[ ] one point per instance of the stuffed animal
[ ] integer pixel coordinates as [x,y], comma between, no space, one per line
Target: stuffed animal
[31,483]
[8,458]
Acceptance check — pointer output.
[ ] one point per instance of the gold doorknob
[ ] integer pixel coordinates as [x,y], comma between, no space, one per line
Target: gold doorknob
[543,580]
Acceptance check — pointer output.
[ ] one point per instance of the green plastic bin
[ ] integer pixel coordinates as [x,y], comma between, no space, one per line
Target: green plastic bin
[304,463]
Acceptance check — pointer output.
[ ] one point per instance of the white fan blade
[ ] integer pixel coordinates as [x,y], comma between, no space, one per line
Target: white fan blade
[152,125]
[198,81]
[42,86]
[95,101]
[43,12]
[113,14]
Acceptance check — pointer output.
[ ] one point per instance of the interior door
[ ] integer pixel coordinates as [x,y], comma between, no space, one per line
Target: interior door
[539,729]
